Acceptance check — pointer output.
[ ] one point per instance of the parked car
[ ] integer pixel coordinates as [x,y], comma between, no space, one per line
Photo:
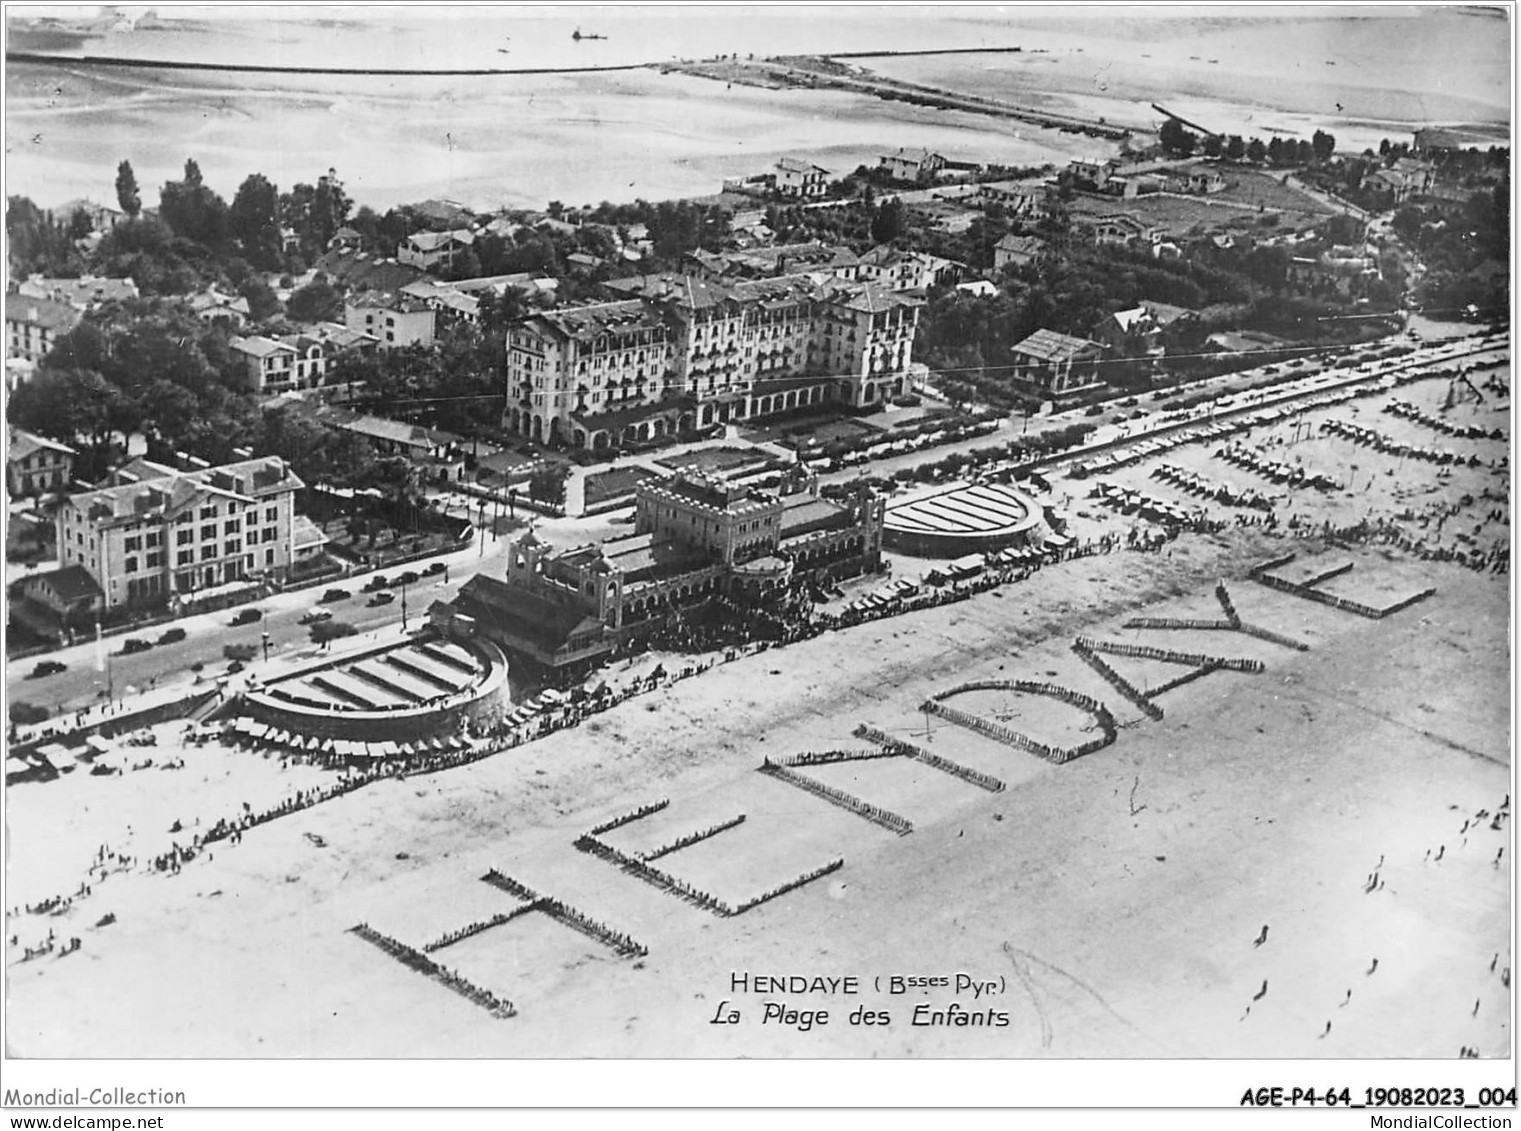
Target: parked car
[334,595]
[235,667]
[171,636]
[247,616]
[47,667]
[315,616]
[134,644]
[411,577]
[380,599]
[377,582]
[436,567]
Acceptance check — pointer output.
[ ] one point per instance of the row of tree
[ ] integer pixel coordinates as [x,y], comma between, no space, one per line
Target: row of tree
[1179,141]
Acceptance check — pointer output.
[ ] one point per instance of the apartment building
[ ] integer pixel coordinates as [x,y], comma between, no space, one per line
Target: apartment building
[160,533]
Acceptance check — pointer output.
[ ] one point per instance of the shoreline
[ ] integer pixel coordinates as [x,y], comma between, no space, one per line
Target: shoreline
[117,61]
[122,61]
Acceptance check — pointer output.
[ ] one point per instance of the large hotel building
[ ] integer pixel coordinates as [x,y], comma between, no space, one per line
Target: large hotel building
[682,352]
[160,532]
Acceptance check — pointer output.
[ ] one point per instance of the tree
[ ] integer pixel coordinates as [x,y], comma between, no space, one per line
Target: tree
[37,244]
[254,221]
[1275,151]
[1235,148]
[1322,145]
[66,404]
[1256,152]
[167,409]
[1213,145]
[192,210]
[316,212]
[330,208]
[888,222]
[127,196]
[1407,223]
[318,301]
[1176,140]
[262,302]
[80,224]
[83,347]
[324,632]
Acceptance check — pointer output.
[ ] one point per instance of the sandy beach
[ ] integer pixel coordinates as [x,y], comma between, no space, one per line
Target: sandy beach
[1261,795]
[490,143]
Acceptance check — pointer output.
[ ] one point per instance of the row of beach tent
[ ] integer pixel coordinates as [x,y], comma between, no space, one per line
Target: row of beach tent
[245,731]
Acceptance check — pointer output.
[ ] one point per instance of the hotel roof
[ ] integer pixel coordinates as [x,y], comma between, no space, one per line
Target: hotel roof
[163,491]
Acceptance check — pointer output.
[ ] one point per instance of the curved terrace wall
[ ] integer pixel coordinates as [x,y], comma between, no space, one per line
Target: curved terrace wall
[965,519]
[483,703]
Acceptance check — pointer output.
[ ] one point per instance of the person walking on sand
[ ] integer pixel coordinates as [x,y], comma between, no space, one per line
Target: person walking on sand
[1441,852]
[1326,1033]
[1372,968]
[1262,993]
[1262,938]
[1345,1000]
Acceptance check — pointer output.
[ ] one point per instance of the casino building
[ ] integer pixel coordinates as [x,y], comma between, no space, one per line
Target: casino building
[696,538]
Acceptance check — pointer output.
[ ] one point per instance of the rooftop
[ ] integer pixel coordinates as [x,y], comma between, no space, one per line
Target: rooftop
[163,491]
[23,444]
[796,165]
[586,322]
[258,346]
[1048,345]
[432,241]
[1026,245]
[71,583]
[521,616]
[49,314]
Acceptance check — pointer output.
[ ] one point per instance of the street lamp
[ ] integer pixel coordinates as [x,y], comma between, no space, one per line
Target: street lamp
[265,636]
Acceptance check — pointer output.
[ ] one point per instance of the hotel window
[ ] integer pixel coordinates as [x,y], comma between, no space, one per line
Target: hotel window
[184,537]
[209,512]
[231,526]
[132,544]
[131,565]
[233,547]
[271,514]
[208,533]
[152,541]
[184,557]
[153,561]
[208,552]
